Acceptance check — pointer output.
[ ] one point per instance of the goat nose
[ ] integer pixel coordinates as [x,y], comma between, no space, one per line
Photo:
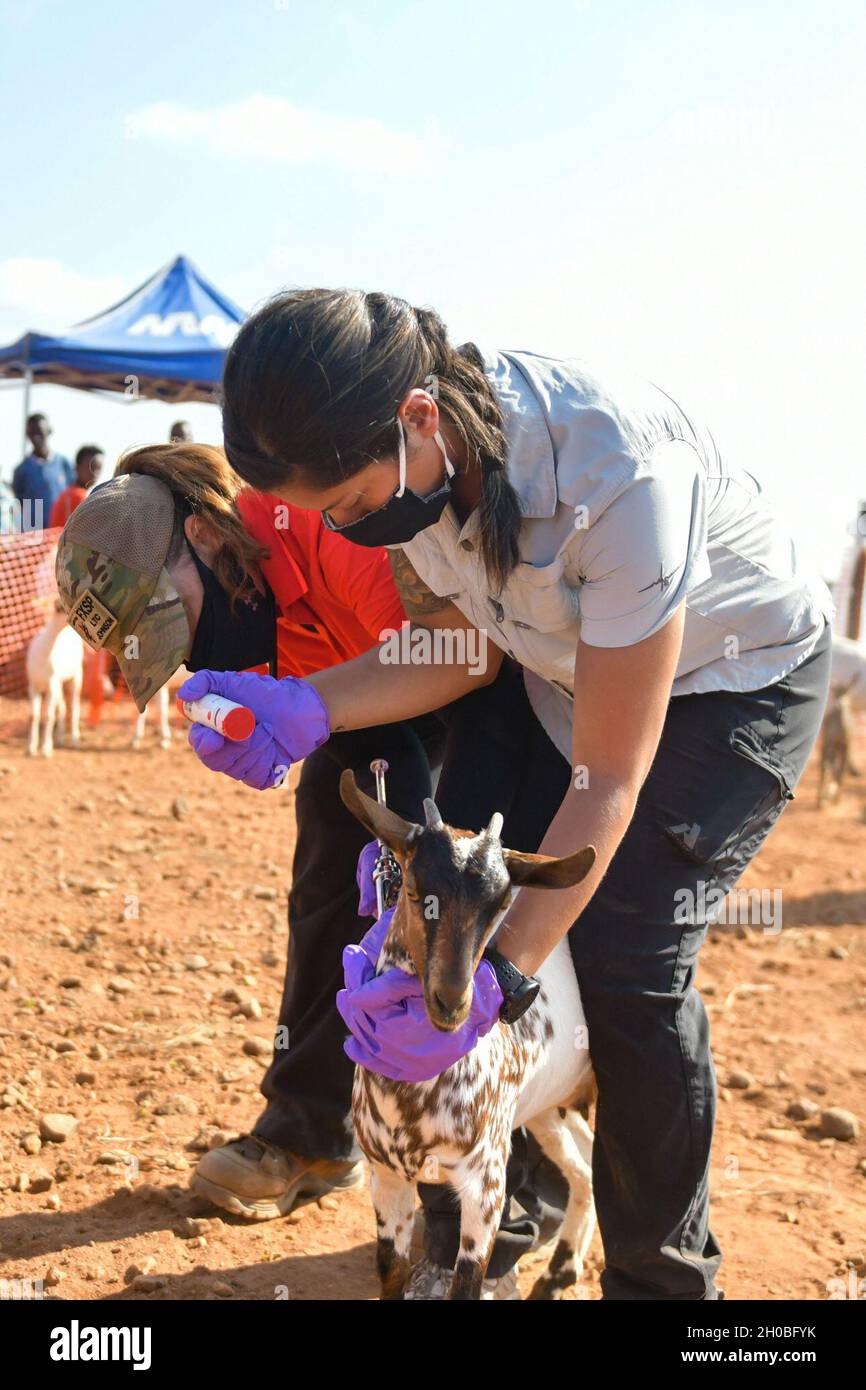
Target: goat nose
[449,998]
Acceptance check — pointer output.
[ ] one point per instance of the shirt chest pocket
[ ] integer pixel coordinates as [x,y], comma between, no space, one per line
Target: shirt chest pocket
[435,570]
[536,617]
[540,598]
[540,620]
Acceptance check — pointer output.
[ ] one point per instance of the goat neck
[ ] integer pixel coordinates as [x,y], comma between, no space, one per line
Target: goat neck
[395,949]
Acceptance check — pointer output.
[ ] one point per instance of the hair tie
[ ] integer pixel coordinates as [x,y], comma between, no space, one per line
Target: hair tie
[489,464]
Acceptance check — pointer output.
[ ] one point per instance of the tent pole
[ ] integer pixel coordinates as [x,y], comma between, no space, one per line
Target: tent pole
[28,382]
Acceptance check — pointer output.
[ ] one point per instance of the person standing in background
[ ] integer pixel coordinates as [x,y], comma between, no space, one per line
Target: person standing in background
[41,476]
[88,466]
[180,433]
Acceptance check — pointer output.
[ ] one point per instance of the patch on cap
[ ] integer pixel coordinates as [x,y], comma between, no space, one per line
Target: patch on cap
[92,620]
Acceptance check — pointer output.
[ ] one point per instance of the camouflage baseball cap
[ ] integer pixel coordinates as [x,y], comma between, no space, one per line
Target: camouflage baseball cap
[114,585]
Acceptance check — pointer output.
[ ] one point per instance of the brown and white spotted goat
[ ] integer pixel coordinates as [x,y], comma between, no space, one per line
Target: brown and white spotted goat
[456,1128]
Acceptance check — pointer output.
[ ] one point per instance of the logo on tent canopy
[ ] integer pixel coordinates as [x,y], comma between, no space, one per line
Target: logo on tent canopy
[214,326]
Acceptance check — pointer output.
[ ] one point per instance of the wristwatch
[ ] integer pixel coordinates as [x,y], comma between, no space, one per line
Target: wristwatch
[518,990]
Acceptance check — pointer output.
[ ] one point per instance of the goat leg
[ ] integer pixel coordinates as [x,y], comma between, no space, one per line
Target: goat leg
[54,698]
[76,711]
[61,721]
[394,1204]
[482,1198]
[35,720]
[164,726]
[140,722]
[822,781]
[566,1139]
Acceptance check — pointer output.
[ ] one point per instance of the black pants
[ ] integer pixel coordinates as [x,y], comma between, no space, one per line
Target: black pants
[726,766]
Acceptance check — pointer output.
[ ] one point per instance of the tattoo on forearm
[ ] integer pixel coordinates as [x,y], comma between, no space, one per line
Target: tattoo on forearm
[418,600]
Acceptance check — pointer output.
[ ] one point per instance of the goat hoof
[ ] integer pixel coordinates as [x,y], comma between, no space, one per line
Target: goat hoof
[551,1288]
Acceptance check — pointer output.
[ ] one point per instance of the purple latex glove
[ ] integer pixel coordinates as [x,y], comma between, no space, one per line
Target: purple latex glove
[367,907]
[391,1033]
[291,720]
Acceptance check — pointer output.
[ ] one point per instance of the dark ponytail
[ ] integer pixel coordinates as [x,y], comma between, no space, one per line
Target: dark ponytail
[312,385]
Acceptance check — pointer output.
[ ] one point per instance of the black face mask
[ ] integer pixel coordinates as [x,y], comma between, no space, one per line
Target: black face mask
[404,514]
[398,521]
[232,641]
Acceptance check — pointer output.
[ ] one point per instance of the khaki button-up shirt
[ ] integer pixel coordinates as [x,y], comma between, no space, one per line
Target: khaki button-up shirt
[629,510]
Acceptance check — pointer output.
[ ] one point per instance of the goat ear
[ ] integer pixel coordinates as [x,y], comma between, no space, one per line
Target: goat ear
[381,822]
[545,871]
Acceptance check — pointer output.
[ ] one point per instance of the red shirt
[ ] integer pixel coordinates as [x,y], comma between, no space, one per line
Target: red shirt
[65,505]
[334,598]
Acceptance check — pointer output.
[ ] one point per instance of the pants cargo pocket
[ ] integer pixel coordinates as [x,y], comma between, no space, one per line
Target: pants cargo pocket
[754,787]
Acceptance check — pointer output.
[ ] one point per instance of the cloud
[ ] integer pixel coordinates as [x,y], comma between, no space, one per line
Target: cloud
[275,131]
[47,295]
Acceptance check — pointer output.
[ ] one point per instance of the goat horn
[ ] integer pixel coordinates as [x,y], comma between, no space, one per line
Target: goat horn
[431,812]
[494,829]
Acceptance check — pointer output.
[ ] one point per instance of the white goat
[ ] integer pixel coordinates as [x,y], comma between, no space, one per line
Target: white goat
[55,655]
[163,699]
[849,668]
[456,1128]
[837,742]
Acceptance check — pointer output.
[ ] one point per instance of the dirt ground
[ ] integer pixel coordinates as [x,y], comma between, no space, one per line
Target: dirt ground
[142,941]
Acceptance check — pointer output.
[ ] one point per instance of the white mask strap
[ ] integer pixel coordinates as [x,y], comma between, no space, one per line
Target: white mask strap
[449,466]
[402,452]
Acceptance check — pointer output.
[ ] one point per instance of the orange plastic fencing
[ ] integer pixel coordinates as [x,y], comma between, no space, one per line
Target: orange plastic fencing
[28,591]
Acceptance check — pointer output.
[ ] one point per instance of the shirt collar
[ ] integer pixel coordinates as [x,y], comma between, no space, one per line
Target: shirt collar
[531,466]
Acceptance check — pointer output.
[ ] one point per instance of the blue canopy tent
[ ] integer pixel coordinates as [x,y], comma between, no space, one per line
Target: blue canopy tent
[166,341]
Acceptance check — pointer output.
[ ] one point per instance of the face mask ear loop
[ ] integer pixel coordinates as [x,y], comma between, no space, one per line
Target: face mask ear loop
[449,466]
[402,451]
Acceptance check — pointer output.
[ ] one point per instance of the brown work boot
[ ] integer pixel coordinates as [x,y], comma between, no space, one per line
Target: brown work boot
[253,1178]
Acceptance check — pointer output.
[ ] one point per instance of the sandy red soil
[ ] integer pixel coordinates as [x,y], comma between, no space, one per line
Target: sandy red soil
[137,890]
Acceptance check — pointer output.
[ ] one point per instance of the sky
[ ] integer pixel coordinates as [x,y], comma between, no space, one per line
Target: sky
[675,186]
